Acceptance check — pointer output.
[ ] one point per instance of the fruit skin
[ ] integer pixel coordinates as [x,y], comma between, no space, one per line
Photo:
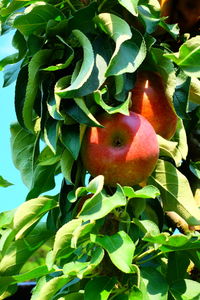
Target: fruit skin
[125,151]
[149,99]
[184,12]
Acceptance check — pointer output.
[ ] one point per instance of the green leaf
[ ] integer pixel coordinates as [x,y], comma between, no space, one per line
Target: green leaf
[62,244]
[130,5]
[30,275]
[85,69]
[6,218]
[187,57]
[41,58]
[135,294]
[177,148]
[11,73]
[129,57]
[147,226]
[47,157]
[10,7]
[153,284]
[175,192]
[67,162]
[36,17]
[124,84]
[81,233]
[20,250]
[120,249]
[101,204]
[169,149]
[185,289]
[181,98]
[19,43]
[82,269]
[149,191]
[181,138]
[101,286]
[194,93]
[81,104]
[43,180]
[46,289]
[4,183]
[178,263]
[195,168]
[86,15]
[29,212]
[175,242]
[23,148]
[172,29]
[166,69]
[129,53]
[26,215]
[70,137]
[69,55]
[20,93]
[51,134]
[122,108]
[72,296]
[150,20]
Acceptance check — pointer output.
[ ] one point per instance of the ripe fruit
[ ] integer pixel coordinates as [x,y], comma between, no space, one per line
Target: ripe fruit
[149,100]
[184,12]
[125,151]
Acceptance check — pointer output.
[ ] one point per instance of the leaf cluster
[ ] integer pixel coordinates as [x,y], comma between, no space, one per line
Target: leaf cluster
[74,60]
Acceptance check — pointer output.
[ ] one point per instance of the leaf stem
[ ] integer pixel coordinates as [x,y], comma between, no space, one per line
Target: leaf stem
[150,258]
[138,275]
[102,4]
[71,5]
[141,256]
[118,291]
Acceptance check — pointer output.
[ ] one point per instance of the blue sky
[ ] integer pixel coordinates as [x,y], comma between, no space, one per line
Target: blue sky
[14,195]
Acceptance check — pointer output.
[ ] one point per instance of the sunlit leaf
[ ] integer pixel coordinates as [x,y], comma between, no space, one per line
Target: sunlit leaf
[4,182]
[62,244]
[148,191]
[30,212]
[41,58]
[85,69]
[130,5]
[66,162]
[120,249]
[19,251]
[175,192]
[129,53]
[121,108]
[185,289]
[81,269]
[101,286]
[36,17]
[46,288]
[101,204]
[23,147]
[187,57]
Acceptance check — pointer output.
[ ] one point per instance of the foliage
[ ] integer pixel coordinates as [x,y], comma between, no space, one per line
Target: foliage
[73,60]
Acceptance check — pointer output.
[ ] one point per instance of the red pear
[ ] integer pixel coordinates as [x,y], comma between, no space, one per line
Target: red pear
[125,151]
[149,99]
